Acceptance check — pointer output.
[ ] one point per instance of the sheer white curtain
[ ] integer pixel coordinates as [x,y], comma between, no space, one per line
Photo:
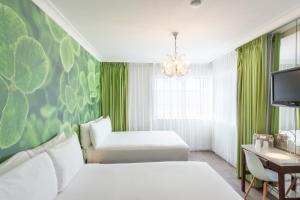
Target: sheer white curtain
[286,118]
[183,104]
[224,114]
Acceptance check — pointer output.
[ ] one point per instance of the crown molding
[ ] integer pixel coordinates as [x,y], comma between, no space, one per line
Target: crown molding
[52,11]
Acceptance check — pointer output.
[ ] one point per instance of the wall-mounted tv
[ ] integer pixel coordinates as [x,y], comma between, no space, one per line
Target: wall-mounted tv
[286,87]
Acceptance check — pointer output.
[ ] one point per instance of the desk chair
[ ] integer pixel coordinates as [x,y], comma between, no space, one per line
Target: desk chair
[259,172]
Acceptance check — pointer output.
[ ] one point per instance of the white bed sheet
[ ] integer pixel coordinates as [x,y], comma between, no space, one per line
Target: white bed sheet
[139,146]
[141,140]
[148,181]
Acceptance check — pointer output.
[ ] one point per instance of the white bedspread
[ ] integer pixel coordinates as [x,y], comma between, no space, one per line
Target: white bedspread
[139,146]
[148,181]
[139,140]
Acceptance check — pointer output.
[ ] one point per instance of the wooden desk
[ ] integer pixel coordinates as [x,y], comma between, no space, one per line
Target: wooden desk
[275,159]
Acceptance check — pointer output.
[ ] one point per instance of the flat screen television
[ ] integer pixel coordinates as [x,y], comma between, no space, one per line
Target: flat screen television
[286,87]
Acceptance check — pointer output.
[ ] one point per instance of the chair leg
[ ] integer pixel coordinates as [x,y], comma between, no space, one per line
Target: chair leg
[265,191]
[249,188]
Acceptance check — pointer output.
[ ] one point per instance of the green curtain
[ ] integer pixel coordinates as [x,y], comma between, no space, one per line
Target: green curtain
[298,119]
[251,93]
[114,93]
[275,61]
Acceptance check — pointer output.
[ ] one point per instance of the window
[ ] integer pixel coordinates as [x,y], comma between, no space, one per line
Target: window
[183,98]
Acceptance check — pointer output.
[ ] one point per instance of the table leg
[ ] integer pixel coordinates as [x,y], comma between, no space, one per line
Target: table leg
[243,171]
[281,186]
[294,183]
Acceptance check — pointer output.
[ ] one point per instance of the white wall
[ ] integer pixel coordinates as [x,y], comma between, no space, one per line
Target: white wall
[224,122]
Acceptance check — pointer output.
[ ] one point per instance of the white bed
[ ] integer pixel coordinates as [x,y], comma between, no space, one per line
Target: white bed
[59,173]
[138,146]
[148,181]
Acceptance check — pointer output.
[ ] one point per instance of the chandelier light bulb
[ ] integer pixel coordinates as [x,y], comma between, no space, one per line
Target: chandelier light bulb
[175,64]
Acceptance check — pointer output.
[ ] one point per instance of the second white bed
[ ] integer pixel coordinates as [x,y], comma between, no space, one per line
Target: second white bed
[139,146]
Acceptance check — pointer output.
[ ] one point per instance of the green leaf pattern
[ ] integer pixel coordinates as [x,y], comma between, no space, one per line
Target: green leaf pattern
[16,108]
[66,53]
[4,93]
[11,28]
[48,83]
[47,111]
[32,66]
[55,30]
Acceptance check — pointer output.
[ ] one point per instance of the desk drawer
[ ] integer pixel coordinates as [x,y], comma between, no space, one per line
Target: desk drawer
[264,162]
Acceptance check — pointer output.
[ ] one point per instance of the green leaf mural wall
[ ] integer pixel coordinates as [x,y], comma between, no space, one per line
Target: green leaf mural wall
[48,82]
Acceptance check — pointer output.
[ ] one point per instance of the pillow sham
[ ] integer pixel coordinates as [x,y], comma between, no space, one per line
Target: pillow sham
[35,179]
[99,131]
[14,161]
[67,160]
[85,133]
[56,140]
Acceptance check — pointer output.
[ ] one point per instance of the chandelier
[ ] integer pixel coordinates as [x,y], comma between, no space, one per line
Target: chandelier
[175,63]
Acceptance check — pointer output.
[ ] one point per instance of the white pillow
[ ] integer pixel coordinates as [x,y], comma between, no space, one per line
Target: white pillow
[99,131]
[35,179]
[85,133]
[56,140]
[67,159]
[14,161]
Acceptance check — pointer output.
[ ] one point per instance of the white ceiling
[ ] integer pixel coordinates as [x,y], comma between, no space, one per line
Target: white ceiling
[140,30]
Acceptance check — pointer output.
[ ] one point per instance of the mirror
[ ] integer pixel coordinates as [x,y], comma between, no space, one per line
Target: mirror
[284,46]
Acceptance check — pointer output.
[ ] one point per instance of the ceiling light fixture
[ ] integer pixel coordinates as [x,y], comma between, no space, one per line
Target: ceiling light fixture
[175,64]
[195,3]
